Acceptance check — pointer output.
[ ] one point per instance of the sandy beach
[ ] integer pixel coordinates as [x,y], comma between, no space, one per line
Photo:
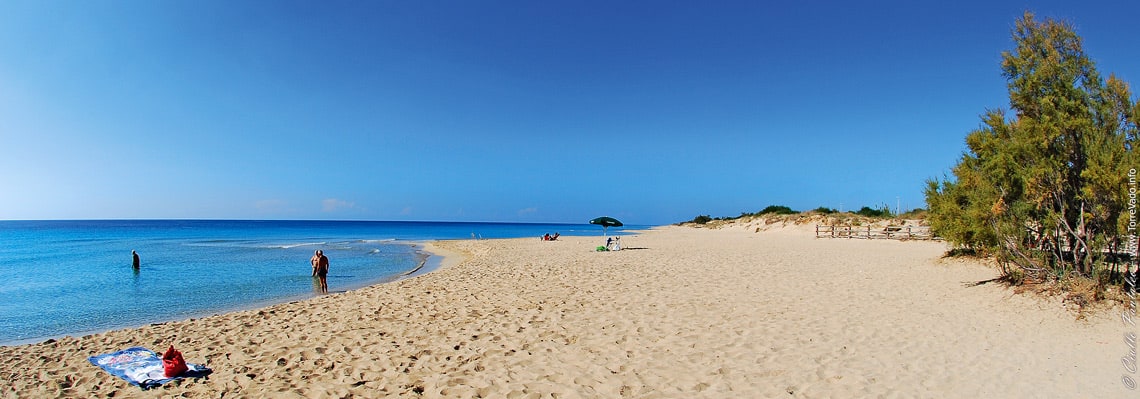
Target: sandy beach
[679,313]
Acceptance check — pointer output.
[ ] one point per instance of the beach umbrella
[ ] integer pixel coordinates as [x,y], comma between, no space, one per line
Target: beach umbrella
[606,222]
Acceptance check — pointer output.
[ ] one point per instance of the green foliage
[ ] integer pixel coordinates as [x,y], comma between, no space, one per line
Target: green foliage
[1043,189]
[824,210]
[702,219]
[777,209]
[883,212]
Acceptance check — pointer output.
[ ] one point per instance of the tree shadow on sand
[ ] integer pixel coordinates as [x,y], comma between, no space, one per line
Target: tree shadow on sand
[978,283]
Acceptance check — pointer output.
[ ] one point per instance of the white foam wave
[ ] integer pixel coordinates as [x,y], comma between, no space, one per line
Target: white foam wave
[303,244]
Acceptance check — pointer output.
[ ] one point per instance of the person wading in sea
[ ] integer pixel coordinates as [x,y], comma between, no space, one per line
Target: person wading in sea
[321,269]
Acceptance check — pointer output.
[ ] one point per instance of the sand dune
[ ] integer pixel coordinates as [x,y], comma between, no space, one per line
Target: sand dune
[680,313]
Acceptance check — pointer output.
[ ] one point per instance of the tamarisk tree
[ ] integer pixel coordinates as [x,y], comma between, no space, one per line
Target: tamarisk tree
[1044,189]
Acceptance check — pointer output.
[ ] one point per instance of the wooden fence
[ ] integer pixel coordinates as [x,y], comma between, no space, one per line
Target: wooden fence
[870,232]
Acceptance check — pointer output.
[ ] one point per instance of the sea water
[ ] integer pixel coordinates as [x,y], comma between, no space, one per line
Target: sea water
[75,277]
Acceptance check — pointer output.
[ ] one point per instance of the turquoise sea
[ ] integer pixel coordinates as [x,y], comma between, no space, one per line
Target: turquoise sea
[75,277]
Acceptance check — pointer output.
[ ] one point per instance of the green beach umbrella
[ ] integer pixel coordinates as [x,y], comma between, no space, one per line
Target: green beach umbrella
[606,222]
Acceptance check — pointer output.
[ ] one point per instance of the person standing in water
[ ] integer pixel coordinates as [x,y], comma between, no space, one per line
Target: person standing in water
[315,261]
[321,269]
[135,262]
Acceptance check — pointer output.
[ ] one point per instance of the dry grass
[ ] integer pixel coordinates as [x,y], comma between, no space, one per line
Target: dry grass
[1080,295]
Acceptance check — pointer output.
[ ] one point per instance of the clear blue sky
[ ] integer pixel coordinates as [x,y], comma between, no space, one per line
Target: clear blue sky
[529,111]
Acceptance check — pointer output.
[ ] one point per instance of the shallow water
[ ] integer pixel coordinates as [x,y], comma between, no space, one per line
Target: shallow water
[73,277]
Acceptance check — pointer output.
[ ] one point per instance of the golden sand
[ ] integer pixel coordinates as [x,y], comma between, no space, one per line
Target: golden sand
[680,313]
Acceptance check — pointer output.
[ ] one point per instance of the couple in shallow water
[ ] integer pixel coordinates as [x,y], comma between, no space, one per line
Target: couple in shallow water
[321,269]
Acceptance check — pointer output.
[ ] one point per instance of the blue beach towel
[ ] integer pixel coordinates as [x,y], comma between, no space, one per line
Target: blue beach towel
[143,367]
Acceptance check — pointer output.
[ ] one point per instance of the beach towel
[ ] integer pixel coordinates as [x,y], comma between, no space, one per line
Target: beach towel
[143,367]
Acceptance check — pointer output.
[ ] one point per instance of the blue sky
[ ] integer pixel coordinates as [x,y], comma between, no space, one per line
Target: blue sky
[652,112]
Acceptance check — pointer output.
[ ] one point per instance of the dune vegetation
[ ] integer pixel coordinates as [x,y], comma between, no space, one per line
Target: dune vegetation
[1048,187]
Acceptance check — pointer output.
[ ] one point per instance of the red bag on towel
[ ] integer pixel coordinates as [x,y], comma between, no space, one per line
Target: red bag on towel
[172,362]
